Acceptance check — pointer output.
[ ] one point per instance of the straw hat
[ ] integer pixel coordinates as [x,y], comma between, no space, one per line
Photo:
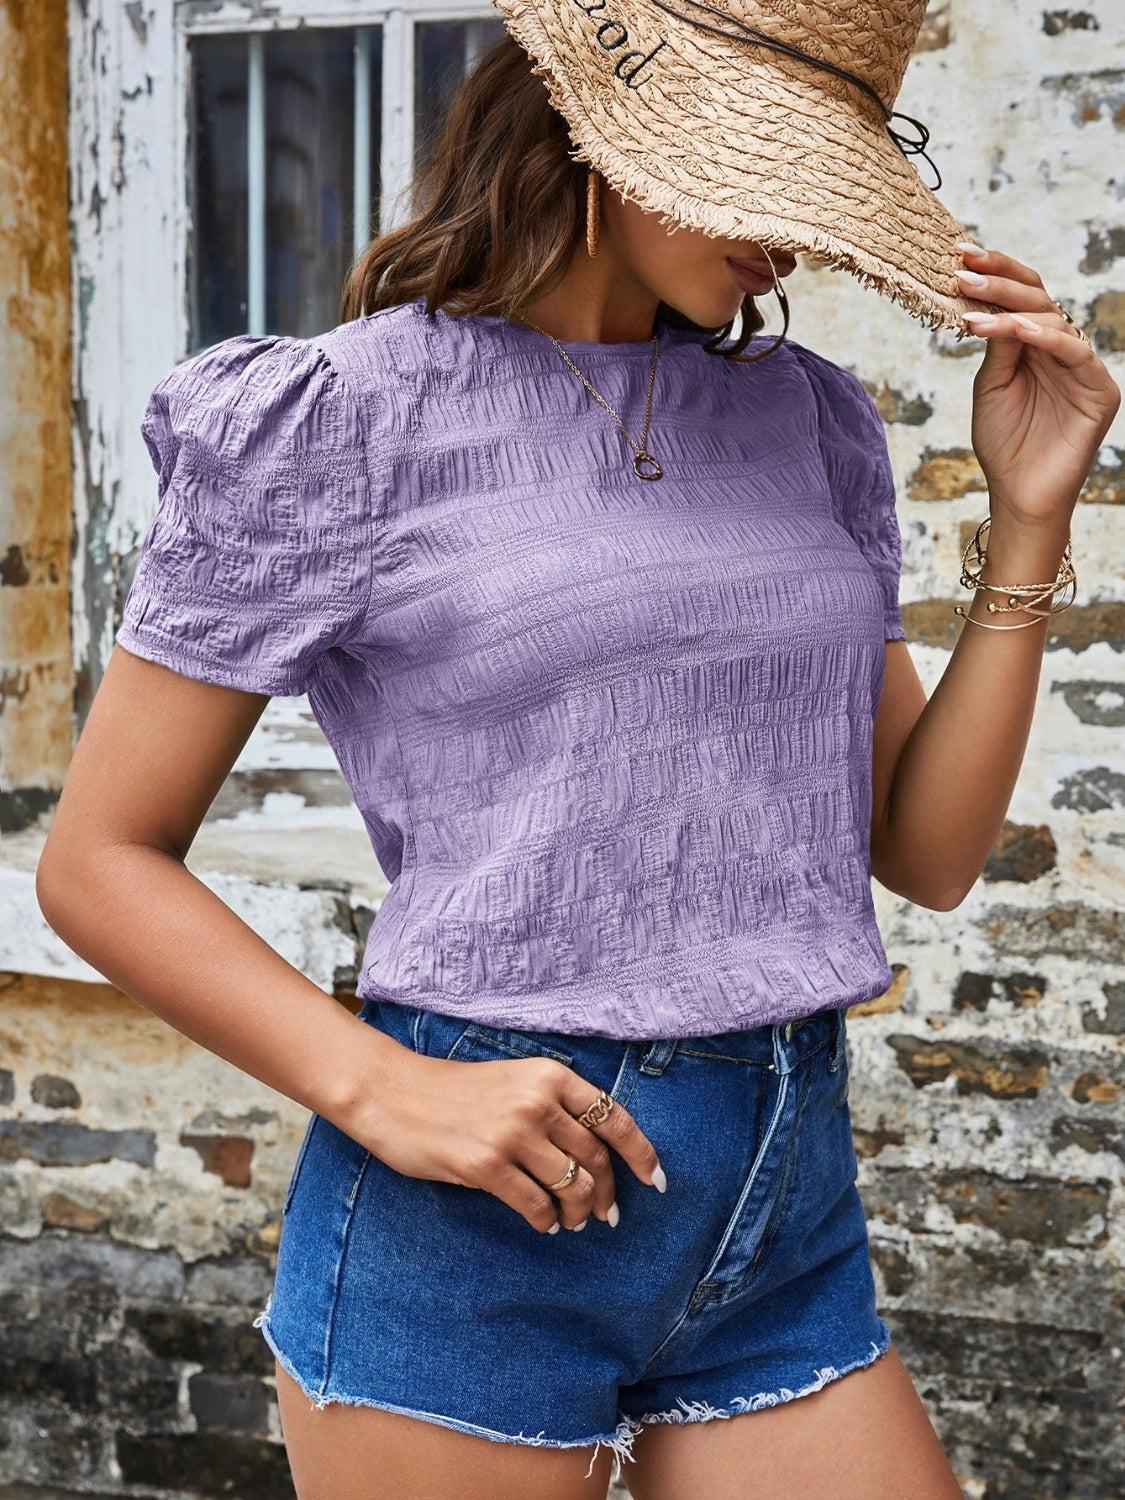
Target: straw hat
[736,117]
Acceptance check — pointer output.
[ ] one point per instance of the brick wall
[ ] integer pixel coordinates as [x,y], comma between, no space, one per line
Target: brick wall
[141,1178]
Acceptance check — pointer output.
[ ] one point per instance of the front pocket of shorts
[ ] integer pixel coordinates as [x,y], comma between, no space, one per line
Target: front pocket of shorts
[478,1042]
[604,1063]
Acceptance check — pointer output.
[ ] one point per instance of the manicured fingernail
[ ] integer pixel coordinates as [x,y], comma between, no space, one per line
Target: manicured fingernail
[612,1215]
[659,1181]
[981,319]
[577,1227]
[1028,323]
[974,278]
[970,247]
[555,1227]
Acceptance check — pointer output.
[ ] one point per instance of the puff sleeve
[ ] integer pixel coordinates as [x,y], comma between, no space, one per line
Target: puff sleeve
[257,558]
[853,444]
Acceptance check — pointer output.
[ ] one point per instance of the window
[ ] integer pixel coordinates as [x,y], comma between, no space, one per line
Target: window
[302,142]
[444,52]
[229,160]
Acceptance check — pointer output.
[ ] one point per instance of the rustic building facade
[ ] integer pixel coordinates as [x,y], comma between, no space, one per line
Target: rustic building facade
[141,1178]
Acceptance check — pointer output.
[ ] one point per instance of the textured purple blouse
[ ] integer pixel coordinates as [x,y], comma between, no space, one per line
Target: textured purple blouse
[611,738]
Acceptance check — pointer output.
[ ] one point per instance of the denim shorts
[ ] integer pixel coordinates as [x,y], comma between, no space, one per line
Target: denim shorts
[746,1283]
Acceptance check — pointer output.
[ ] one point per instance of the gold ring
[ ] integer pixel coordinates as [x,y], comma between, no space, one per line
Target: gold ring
[1081,332]
[596,1113]
[567,1178]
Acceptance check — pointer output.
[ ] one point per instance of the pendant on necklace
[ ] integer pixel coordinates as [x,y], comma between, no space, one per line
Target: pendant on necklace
[654,469]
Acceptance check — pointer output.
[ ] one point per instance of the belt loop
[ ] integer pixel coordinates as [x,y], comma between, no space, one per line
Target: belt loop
[658,1054]
[785,1055]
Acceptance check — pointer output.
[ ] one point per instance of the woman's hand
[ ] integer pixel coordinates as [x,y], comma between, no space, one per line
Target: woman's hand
[1042,399]
[507,1127]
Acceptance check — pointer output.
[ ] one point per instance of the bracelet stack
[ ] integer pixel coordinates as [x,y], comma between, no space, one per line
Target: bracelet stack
[1017,593]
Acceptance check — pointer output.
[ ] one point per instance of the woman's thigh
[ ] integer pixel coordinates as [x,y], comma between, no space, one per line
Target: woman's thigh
[360,1453]
[866,1436]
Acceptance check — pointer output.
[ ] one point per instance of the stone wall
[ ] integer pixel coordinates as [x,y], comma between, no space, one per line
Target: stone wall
[140,1206]
[141,1178]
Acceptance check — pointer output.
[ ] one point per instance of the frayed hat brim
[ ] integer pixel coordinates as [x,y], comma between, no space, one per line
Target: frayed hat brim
[765,150]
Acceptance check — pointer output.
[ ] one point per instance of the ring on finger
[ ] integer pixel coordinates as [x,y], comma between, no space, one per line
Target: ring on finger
[595,1114]
[1081,332]
[567,1177]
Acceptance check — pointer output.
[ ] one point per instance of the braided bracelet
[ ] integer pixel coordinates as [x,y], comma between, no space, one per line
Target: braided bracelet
[1016,592]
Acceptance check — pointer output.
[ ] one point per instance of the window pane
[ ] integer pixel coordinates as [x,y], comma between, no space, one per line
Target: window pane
[309,119]
[310,78]
[444,52]
[369,59]
[217,189]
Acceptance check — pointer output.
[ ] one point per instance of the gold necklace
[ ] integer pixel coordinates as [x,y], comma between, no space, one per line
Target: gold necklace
[645,464]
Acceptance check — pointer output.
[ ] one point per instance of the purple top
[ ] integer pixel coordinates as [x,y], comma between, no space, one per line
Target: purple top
[611,738]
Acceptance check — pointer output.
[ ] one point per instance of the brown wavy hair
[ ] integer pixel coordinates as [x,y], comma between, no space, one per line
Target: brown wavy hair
[499,207]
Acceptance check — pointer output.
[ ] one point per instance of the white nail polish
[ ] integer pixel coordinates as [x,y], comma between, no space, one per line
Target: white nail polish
[972,249]
[613,1215]
[577,1227]
[659,1181]
[555,1227]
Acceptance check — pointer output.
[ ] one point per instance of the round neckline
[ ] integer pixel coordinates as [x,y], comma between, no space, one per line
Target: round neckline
[579,348]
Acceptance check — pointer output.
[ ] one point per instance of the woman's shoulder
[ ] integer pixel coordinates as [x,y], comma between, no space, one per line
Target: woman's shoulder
[836,386]
[258,554]
[250,401]
[379,351]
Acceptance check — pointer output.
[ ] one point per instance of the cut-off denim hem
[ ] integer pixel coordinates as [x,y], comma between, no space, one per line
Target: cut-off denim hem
[623,1439]
[620,1442]
[750,1274]
[703,1411]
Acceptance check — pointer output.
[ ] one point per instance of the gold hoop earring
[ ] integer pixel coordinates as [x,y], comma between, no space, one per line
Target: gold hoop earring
[784,301]
[593,211]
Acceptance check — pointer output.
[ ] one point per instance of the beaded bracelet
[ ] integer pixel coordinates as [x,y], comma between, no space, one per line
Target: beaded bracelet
[1016,592]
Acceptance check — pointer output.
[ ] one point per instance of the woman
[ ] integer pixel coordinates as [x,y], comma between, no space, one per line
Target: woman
[603,626]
